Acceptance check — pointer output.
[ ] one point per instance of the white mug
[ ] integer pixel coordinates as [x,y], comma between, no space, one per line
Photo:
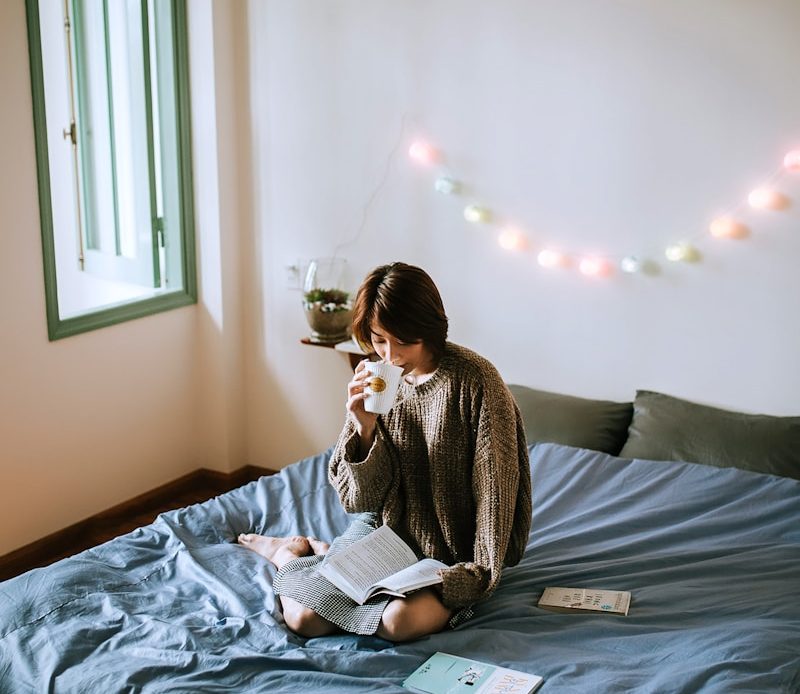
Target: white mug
[382,386]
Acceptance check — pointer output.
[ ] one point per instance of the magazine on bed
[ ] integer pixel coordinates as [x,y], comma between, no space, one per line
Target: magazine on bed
[443,673]
[586,600]
[380,563]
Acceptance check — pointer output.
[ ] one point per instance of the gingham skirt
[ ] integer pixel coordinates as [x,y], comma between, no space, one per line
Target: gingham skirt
[300,580]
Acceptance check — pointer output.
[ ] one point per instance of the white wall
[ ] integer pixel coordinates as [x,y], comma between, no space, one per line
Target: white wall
[605,125]
[608,125]
[93,420]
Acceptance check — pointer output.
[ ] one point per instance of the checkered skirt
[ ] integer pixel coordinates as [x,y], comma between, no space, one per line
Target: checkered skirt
[300,580]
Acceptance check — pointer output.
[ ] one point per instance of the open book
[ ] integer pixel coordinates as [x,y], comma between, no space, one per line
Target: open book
[586,600]
[379,563]
[443,673]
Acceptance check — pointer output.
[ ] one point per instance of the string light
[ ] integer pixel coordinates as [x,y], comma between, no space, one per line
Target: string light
[423,153]
[791,162]
[550,258]
[630,264]
[594,267]
[727,228]
[767,199]
[477,214]
[512,239]
[446,185]
[682,251]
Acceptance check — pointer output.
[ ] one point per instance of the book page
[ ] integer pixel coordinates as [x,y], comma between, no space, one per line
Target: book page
[368,561]
[423,573]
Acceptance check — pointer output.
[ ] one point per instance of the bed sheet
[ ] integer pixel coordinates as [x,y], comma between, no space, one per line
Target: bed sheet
[710,555]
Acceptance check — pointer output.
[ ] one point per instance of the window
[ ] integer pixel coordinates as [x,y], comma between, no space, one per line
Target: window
[111,119]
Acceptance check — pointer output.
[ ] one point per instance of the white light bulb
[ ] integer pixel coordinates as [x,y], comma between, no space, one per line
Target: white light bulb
[675,252]
[682,251]
[476,214]
[446,186]
[630,264]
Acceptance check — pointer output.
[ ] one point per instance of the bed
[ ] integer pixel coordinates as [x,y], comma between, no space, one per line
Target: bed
[709,551]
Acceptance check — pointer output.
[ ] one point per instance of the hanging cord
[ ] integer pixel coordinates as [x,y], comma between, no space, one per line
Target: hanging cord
[373,196]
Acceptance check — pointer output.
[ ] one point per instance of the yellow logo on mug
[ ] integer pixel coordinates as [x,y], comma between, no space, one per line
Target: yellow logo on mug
[377,384]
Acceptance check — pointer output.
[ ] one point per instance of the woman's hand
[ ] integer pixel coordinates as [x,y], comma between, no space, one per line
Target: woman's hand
[365,421]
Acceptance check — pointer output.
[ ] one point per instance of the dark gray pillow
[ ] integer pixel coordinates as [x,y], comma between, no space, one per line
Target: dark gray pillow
[600,425]
[668,428]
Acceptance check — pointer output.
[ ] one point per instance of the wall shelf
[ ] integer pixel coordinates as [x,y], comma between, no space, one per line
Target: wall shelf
[353,352]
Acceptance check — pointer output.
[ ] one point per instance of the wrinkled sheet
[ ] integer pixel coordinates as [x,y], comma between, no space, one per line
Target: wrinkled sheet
[711,556]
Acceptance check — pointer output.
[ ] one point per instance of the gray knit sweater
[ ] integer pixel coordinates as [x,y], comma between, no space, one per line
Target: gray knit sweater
[449,472]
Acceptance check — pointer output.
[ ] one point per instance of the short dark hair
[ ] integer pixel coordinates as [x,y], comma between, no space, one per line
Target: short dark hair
[404,300]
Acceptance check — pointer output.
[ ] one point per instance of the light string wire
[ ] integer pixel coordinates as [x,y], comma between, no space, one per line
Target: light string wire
[641,256]
[644,258]
[376,191]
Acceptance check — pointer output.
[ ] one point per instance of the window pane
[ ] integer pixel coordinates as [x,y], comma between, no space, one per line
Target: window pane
[105,200]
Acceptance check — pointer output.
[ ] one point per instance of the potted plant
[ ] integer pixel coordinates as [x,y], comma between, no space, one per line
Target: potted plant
[329,313]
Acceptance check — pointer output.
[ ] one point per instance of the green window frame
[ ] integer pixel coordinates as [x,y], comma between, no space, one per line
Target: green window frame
[132,223]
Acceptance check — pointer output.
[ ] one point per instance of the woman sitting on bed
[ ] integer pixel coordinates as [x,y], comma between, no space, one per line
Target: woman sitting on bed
[447,469]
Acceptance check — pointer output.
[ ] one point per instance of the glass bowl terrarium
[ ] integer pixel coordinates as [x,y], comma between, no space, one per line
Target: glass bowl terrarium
[329,313]
[328,307]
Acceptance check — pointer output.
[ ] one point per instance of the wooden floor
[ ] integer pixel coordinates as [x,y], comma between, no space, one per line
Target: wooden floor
[194,488]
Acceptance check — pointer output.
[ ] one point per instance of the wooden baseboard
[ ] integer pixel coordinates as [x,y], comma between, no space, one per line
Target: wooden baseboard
[196,486]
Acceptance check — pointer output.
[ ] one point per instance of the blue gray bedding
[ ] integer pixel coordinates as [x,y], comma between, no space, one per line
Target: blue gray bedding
[710,555]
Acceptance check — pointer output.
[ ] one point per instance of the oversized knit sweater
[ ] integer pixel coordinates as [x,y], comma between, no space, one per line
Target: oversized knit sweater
[448,470]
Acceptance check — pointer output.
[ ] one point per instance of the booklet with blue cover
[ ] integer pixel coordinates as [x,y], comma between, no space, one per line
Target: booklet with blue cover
[443,673]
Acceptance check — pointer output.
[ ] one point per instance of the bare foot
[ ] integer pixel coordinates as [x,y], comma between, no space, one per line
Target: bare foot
[318,547]
[279,550]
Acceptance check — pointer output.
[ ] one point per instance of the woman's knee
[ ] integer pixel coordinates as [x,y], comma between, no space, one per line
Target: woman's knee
[305,622]
[413,618]
[397,623]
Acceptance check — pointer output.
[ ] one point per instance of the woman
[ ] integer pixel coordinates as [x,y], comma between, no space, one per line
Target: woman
[446,468]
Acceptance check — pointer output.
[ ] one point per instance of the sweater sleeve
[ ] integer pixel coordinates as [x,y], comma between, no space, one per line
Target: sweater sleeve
[361,485]
[502,501]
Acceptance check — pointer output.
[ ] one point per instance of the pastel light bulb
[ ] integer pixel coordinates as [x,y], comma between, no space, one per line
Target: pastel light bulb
[510,239]
[766,199]
[549,258]
[423,153]
[630,264]
[594,267]
[446,185]
[477,214]
[727,228]
[678,252]
[791,162]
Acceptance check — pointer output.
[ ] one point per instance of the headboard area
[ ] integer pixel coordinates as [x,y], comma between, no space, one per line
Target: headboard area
[656,426]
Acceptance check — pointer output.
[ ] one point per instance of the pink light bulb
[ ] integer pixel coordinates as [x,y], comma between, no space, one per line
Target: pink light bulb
[423,153]
[766,199]
[510,239]
[791,162]
[549,258]
[594,267]
[727,228]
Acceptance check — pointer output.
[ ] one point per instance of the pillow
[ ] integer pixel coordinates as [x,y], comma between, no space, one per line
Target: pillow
[600,425]
[668,428]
